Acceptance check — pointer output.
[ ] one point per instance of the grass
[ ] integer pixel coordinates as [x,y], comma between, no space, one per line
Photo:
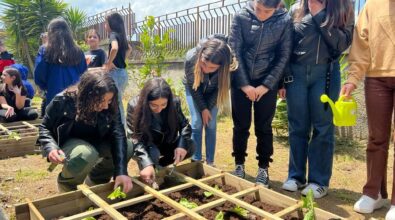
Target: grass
[30,175]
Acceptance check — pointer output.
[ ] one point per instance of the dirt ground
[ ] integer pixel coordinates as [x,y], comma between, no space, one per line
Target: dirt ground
[27,177]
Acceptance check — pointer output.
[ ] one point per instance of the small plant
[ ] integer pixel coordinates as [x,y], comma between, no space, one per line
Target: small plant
[117,194]
[89,218]
[14,135]
[309,205]
[208,194]
[190,205]
[220,216]
[240,211]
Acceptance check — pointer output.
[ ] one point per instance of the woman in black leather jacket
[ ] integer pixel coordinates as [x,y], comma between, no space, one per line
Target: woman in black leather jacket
[323,30]
[157,127]
[82,125]
[261,37]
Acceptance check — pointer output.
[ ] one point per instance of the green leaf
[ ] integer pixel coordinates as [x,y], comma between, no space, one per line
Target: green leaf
[209,194]
[190,205]
[220,216]
[240,211]
[117,194]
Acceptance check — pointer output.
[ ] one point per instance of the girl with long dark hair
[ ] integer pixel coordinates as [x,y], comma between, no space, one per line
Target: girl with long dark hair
[63,62]
[83,124]
[323,30]
[118,52]
[13,97]
[157,127]
[207,82]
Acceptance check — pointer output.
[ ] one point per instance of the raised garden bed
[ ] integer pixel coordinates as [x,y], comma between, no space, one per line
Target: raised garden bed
[143,202]
[18,138]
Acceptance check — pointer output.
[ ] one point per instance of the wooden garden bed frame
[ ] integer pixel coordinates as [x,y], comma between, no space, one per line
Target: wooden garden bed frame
[75,204]
[15,141]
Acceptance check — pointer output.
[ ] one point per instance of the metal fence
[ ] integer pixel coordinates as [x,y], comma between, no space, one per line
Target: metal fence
[97,21]
[192,24]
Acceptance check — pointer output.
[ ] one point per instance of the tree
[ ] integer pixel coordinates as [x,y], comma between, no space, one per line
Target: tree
[24,20]
[75,18]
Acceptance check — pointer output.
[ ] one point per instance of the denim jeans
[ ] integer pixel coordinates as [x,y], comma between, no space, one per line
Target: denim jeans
[120,77]
[86,159]
[311,130]
[197,130]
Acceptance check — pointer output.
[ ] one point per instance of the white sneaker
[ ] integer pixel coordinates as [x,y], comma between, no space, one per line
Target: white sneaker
[391,213]
[367,205]
[292,185]
[318,191]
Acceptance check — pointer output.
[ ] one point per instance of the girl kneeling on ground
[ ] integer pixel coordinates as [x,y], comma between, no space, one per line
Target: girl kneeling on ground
[157,127]
[84,124]
[13,97]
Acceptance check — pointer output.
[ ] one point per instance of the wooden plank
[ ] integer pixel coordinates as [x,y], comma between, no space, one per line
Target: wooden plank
[29,125]
[3,128]
[139,199]
[236,201]
[168,200]
[289,210]
[213,204]
[101,203]
[34,213]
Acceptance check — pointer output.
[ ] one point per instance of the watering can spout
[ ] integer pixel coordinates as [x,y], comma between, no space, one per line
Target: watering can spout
[325,99]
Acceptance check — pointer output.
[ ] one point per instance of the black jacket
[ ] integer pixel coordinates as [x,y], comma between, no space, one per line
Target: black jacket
[140,148]
[262,48]
[205,97]
[314,44]
[58,122]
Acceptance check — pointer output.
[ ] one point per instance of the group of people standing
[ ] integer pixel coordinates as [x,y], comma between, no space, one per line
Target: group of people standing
[269,51]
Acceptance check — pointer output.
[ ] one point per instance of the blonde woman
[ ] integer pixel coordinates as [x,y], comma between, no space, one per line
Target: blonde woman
[207,82]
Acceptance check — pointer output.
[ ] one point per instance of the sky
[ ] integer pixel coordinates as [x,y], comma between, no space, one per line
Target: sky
[142,8]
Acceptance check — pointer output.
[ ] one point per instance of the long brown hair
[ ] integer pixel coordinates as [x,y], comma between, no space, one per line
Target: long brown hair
[154,89]
[12,72]
[217,52]
[338,12]
[61,48]
[89,92]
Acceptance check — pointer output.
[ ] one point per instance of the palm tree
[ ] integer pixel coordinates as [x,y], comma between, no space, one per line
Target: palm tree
[24,20]
[75,17]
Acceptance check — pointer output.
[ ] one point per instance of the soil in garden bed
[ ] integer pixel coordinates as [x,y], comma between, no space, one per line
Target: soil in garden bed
[152,209]
[155,209]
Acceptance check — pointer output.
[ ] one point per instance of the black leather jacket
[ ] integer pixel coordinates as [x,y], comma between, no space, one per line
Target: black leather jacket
[58,122]
[314,44]
[262,48]
[206,94]
[140,149]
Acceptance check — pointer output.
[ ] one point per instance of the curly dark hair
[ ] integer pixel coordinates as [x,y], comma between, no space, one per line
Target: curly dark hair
[89,93]
[154,89]
[61,48]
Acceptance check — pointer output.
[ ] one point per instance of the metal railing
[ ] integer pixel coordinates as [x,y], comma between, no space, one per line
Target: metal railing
[97,21]
[192,24]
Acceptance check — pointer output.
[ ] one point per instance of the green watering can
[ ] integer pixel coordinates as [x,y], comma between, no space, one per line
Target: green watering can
[344,111]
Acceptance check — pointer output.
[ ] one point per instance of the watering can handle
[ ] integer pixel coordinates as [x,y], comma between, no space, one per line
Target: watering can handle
[342,97]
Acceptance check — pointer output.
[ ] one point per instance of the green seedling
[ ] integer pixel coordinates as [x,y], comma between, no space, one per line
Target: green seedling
[208,194]
[220,216]
[190,205]
[240,211]
[14,135]
[309,205]
[117,194]
[89,218]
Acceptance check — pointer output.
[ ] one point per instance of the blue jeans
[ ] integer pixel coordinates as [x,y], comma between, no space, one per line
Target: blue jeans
[311,130]
[197,130]
[120,77]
